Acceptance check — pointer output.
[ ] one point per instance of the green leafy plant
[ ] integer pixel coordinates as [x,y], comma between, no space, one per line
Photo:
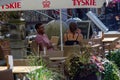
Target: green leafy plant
[79,65]
[111,71]
[115,57]
[43,73]
[80,69]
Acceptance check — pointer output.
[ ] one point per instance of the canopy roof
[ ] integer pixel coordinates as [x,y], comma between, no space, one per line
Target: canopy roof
[49,4]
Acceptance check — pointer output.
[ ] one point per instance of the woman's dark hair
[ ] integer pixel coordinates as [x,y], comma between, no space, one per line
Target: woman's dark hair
[37,25]
[73,27]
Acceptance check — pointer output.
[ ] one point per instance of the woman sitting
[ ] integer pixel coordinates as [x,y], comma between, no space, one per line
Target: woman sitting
[73,36]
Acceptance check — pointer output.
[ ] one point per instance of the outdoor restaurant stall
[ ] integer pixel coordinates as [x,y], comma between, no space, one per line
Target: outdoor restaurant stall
[50,4]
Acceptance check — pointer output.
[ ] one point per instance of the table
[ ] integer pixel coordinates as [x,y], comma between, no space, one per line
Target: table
[22,69]
[110,42]
[110,39]
[112,33]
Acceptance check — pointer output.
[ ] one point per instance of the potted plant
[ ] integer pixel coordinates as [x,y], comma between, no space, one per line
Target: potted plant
[80,67]
[43,73]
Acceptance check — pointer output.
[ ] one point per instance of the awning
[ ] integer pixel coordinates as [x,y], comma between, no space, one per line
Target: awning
[50,4]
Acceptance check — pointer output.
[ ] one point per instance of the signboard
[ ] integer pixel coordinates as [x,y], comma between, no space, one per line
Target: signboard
[51,4]
[3,2]
[85,28]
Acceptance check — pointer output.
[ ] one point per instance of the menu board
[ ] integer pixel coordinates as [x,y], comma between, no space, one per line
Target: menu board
[85,28]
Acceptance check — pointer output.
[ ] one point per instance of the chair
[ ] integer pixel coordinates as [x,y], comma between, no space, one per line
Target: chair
[1,54]
[68,50]
[53,53]
[54,64]
[2,58]
[109,43]
[21,62]
[54,40]
[5,47]
[4,51]
[100,47]
[97,47]
[117,45]
[6,75]
[34,47]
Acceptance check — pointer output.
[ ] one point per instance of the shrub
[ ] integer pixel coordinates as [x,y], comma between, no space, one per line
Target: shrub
[111,71]
[115,57]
